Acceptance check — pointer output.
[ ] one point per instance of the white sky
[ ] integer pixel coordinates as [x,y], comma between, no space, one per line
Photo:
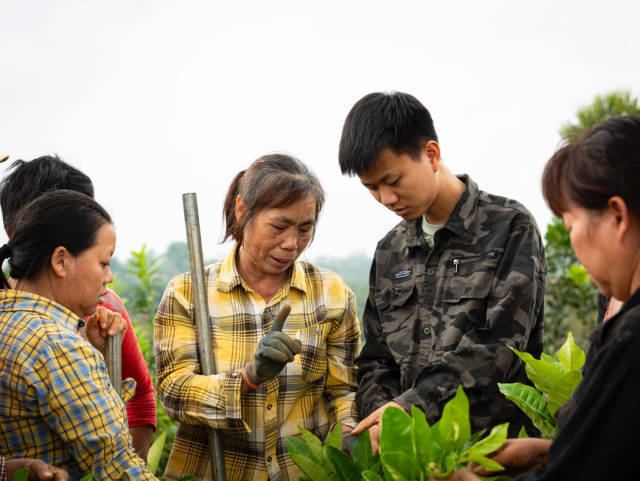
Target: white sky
[156,98]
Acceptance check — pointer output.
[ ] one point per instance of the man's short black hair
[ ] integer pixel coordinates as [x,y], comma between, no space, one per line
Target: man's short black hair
[30,179]
[380,120]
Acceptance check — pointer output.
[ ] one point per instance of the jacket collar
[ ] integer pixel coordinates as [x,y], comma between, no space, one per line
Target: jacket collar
[599,335]
[459,222]
[12,300]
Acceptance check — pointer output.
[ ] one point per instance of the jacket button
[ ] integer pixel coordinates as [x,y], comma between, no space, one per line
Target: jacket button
[427,331]
[269,459]
[269,406]
[431,271]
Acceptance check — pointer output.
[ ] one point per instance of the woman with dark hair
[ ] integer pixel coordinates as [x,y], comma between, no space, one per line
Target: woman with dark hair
[593,184]
[272,377]
[56,401]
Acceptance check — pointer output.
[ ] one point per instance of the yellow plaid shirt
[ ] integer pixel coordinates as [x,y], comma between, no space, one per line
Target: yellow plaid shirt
[56,401]
[314,391]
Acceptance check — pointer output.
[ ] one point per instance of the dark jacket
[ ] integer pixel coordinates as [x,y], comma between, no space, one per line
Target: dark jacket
[437,319]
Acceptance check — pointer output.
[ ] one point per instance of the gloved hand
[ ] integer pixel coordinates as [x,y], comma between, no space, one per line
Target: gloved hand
[274,351]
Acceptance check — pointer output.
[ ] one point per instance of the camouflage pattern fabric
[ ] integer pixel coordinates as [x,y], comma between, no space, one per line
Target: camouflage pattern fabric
[437,318]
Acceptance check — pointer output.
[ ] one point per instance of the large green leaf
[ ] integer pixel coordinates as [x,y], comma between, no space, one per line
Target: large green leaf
[298,446]
[543,374]
[570,355]
[313,442]
[396,431]
[398,466]
[312,469]
[487,463]
[420,436]
[88,477]
[155,452]
[362,455]
[342,464]
[534,406]
[371,476]
[454,423]
[562,390]
[335,437]
[492,442]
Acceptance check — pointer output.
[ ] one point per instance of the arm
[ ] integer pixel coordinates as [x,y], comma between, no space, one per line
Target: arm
[480,357]
[378,372]
[187,395]
[78,404]
[343,344]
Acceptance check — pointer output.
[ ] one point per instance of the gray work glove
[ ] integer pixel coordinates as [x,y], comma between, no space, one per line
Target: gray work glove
[274,351]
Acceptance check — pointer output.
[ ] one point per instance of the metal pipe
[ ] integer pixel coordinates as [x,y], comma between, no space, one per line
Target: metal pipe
[203,327]
[114,361]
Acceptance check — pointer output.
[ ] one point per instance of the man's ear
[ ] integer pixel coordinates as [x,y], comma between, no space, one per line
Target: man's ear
[431,151]
[61,261]
[241,209]
[621,214]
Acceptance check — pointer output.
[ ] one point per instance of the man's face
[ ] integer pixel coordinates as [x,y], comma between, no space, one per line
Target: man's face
[404,185]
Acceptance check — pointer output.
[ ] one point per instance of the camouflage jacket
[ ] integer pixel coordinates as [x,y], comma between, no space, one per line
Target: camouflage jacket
[437,319]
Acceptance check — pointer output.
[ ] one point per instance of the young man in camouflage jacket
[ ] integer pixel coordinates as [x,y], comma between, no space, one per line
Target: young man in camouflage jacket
[452,286]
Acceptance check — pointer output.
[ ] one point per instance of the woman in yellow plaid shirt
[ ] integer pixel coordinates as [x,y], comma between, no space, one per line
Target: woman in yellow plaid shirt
[271,379]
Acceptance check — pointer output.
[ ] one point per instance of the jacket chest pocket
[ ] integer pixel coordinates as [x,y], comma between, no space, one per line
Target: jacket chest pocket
[463,295]
[398,312]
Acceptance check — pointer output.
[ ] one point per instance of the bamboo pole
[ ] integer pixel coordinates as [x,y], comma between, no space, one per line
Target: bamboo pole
[114,361]
[203,327]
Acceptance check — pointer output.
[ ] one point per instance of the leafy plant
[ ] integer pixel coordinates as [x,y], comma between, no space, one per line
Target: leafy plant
[320,462]
[555,381]
[410,449]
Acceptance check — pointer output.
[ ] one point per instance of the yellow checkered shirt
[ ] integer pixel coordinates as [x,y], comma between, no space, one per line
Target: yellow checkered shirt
[56,401]
[314,391]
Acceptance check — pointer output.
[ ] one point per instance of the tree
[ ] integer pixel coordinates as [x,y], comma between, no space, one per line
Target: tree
[570,300]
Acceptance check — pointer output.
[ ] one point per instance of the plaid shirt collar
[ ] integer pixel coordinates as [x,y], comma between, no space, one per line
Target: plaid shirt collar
[229,277]
[13,300]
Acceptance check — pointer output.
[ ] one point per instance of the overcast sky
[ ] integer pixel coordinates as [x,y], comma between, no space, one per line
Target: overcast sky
[156,98]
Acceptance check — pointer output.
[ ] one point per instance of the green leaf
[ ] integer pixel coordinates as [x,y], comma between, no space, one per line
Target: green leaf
[398,466]
[191,477]
[570,355]
[313,442]
[334,438]
[314,470]
[342,464]
[371,476]
[454,422]
[420,435]
[543,374]
[362,455]
[523,433]
[21,474]
[155,452]
[396,431]
[487,463]
[533,404]
[492,442]
[298,446]
[562,390]
[88,477]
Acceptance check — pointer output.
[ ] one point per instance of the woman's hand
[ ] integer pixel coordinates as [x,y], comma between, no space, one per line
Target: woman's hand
[372,422]
[101,324]
[38,470]
[518,456]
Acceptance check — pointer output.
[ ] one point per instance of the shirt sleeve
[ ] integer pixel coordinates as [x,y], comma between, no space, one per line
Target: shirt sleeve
[343,344]
[77,401]
[513,317]
[186,394]
[378,372]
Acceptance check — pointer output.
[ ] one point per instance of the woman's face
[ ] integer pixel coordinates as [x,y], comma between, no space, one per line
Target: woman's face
[275,237]
[591,241]
[90,273]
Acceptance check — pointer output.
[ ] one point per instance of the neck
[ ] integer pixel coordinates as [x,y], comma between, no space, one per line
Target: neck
[39,286]
[450,190]
[266,285]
